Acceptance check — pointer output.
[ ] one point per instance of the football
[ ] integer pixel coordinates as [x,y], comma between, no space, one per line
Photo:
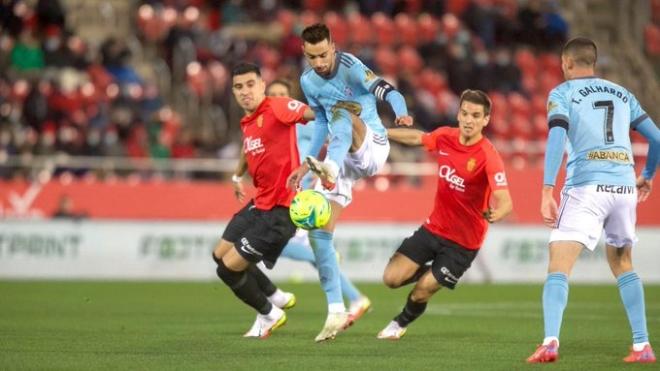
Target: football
[310,210]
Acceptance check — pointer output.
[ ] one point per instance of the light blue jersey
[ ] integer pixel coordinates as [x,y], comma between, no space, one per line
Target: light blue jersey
[304,135]
[598,116]
[350,85]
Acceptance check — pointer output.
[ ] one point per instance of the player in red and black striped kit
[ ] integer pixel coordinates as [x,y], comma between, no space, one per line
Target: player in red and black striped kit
[470,171]
[260,230]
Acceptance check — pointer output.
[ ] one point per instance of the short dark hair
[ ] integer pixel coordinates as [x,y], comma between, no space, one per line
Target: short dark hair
[282,82]
[316,33]
[583,51]
[476,97]
[243,68]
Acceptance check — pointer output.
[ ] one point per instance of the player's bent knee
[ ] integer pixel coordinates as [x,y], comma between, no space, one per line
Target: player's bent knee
[392,281]
[232,278]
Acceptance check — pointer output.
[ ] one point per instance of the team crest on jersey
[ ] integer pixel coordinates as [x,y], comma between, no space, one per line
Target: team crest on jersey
[260,121]
[347,91]
[471,163]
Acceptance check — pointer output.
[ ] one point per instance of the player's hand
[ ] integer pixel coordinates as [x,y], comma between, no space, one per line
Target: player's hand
[493,215]
[239,190]
[643,188]
[293,181]
[548,208]
[403,121]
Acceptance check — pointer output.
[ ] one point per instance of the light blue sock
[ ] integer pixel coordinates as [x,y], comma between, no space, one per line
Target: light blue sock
[302,251]
[327,265]
[341,136]
[632,296]
[555,297]
[299,251]
[348,289]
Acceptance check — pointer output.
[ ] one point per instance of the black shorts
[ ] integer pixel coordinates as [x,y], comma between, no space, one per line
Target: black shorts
[260,234]
[450,260]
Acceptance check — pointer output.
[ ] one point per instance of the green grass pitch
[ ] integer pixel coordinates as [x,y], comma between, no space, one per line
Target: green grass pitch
[199,326]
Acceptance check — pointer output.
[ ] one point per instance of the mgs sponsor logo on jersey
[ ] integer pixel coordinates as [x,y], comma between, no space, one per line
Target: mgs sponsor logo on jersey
[253,146]
[449,174]
[500,179]
[616,156]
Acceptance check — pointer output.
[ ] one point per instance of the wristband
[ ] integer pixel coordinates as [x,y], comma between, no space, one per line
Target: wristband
[236,179]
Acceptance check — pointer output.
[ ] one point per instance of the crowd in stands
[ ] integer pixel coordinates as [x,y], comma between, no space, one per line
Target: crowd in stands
[59,94]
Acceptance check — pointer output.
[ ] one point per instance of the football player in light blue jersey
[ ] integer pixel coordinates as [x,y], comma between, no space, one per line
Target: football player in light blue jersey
[600,192]
[343,92]
[299,247]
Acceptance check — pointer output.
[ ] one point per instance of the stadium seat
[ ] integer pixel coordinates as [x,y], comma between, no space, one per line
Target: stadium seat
[338,28]
[386,33]
[409,59]
[361,31]
[407,29]
[428,28]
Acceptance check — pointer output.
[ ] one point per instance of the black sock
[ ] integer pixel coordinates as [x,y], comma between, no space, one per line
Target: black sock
[245,287]
[417,275]
[265,284]
[410,312]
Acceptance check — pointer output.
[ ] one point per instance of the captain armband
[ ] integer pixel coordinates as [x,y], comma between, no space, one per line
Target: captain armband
[382,88]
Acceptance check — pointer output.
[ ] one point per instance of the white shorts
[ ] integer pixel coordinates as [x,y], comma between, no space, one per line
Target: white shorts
[368,160]
[585,211]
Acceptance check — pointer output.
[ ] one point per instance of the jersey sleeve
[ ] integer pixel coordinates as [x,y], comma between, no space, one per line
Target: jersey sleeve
[361,76]
[288,111]
[430,140]
[558,107]
[495,169]
[637,114]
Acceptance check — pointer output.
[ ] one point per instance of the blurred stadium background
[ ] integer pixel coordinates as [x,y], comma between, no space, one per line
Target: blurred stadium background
[118,132]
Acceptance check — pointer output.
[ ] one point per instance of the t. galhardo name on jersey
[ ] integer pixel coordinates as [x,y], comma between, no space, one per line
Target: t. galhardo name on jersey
[603,89]
[449,174]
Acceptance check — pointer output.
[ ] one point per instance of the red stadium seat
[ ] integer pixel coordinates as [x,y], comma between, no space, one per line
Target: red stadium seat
[383,26]
[428,28]
[287,20]
[538,105]
[518,104]
[540,126]
[409,60]
[338,28]
[407,29]
[361,31]
[652,39]
[450,25]
[308,18]
[386,61]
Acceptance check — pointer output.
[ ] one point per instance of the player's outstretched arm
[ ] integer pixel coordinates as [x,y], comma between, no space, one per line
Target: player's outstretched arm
[503,206]
[409,137]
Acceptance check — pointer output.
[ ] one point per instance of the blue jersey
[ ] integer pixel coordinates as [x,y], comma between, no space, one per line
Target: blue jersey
[599,115]
[350,85]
